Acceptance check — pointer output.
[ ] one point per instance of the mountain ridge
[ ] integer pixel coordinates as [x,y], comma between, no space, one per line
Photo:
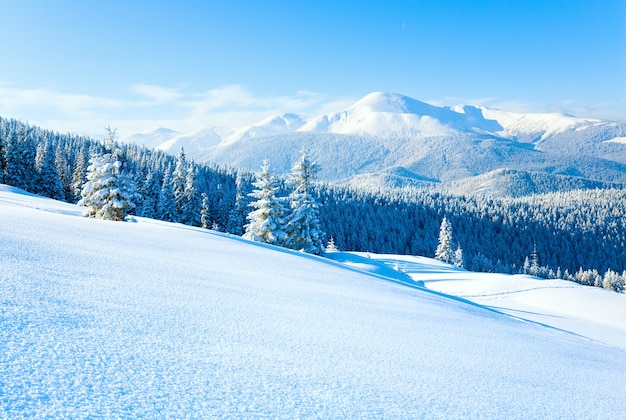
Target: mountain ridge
[383,130]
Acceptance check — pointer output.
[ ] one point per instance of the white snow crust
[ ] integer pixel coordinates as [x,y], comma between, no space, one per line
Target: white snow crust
[147,319]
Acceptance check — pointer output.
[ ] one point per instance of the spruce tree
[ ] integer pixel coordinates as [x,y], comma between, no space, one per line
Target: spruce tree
[444,251]
[166,208]
[179,181]
[50,184]
[237,215]
[150,191]
[79,173]
[190,203]
[3,156]
[204,212]
[458,257]
[21,170]
[266,222]
[303,228]
[65,173]
[109,192]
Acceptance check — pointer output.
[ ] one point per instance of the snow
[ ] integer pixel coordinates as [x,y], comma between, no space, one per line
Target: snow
[539,126]
[194,143]
[274,125]
[387,115]
[620,140]
[152,138]
[148,319]
[380,115]
[592,312]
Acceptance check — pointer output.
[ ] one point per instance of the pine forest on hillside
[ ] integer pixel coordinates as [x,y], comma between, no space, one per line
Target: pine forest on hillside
[577,235]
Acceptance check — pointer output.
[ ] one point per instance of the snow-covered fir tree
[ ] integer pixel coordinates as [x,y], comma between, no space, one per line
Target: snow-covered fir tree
[79,173]
[166,207]
[331,247]
[190,201]
[3,156]
[49,181]
[109,192]
[204,212]
[21,151]
[237,215]
[445,251]
[458,257]
[179,182]
[150,190]
[303,228]
[266,222]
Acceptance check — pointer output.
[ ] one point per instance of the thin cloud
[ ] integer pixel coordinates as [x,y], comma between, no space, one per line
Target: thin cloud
[158,94]
[12,98]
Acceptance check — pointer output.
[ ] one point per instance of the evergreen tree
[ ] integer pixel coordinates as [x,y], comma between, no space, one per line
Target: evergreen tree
[266,222]
[109,192]
[533,269]
[79,173]
[444,251]
[3,156]
[331,247]
[190,205]
[303,228]
[458,257]
[204,212]
[50,184]
[237,215]
[65,173]
[166,207]
[150,191]
[21,168]
[179,182]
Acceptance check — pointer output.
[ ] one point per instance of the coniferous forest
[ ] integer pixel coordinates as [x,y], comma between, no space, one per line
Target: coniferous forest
[577,235]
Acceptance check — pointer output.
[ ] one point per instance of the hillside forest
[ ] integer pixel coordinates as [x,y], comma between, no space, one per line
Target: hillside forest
[576,235]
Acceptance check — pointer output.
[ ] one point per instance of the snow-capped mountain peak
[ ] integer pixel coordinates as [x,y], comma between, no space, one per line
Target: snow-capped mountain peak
[387,115]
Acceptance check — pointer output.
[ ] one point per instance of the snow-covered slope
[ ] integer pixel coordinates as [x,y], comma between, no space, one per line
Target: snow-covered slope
[152,138]
[194,144]
[591,312]
[279,124]
[156,320]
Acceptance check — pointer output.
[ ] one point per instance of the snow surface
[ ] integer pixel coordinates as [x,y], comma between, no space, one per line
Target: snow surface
[619,140]
[591,312]
[148,319]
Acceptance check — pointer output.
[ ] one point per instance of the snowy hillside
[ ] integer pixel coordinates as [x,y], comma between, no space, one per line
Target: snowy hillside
[157,320]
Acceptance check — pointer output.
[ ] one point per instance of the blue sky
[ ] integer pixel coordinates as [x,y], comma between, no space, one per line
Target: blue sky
[81,65]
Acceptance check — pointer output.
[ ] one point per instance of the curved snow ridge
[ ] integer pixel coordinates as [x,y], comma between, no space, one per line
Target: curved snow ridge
[591,312]
[537,125]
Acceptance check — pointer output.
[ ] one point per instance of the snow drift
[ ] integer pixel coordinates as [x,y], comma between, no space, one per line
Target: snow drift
[152,319]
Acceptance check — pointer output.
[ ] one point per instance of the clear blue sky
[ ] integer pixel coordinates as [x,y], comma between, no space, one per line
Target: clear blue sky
[81,65]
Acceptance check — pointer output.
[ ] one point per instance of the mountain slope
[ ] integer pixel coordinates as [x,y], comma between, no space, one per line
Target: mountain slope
[386,131]
[152,319]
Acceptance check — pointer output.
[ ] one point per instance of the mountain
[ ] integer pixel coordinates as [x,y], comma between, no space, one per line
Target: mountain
[284,123]
[384,132]
[171,141]
[153,138]
[149,319]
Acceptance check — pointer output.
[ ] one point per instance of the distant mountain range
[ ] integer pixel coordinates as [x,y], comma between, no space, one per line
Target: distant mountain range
[390,140]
